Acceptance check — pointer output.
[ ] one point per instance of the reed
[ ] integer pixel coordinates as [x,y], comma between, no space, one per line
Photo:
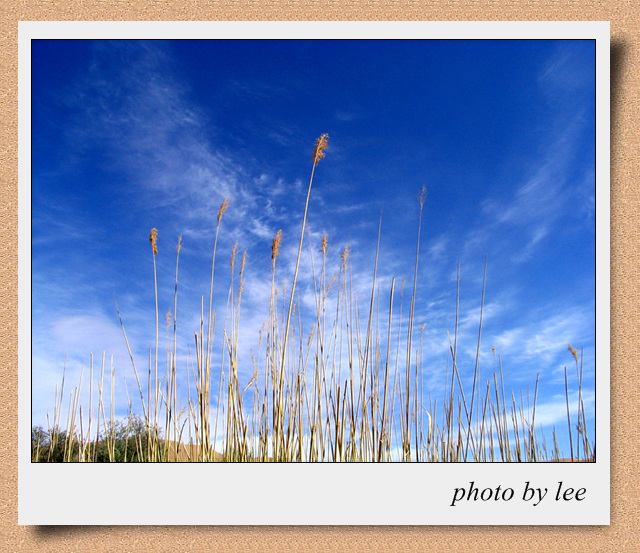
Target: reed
[346,384]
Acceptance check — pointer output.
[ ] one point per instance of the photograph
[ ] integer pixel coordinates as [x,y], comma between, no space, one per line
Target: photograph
[307,250]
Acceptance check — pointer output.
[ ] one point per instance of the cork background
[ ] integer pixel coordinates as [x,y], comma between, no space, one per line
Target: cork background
[621,535]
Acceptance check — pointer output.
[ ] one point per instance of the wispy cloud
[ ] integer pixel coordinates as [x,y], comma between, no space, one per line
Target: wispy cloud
[538,205]
[568,72]
[543,336]
[138,113]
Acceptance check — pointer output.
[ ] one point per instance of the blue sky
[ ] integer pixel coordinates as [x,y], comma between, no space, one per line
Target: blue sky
[132,135]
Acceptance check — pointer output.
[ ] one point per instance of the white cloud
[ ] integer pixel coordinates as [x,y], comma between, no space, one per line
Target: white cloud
[544,337]
[569,71]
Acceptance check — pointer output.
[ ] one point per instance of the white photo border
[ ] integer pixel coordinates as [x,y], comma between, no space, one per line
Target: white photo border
[298,493]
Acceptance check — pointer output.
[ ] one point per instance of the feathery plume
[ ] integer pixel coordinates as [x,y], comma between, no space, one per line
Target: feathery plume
[422,196]
[574,352]
[344,256]
[321,145]
[242,265]
[243,262]
[323,246]
[331,281]
[234,252]
[153,238]
[275,245]
[223,208]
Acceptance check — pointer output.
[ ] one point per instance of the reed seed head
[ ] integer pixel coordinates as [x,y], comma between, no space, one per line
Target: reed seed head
[344,256]
[275,245]
[422,196]
[323,246]
[574,352]
[223,208]
[242,266]
[333,279]
[232,262]
[243,262]
[153,238]
[321,145]
[179,247]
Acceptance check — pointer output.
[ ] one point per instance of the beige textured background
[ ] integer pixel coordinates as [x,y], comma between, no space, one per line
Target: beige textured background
[622,535]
